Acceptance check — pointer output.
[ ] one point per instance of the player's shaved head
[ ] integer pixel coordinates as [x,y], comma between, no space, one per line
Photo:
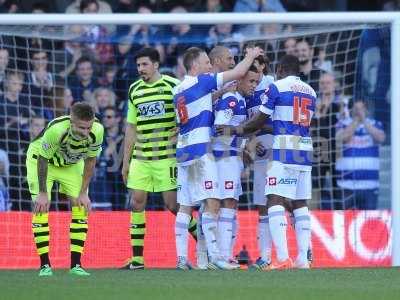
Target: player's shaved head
[216,52]
[221,59]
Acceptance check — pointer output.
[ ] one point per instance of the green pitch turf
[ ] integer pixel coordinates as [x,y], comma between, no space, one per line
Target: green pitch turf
[318,284]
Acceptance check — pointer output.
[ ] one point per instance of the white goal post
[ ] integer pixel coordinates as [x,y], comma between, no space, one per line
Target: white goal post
[257,18]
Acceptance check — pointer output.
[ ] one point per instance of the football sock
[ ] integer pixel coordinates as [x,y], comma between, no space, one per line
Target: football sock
[278,226]
[138,230]
[41,233]
[264,239]
[225,224]
[181,234]
[303,232]
[209,226]
[77,230]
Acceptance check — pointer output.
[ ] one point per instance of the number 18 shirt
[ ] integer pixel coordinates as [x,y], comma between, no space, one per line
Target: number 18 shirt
[291,105]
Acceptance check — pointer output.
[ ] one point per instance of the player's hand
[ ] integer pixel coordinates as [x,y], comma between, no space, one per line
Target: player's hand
[254,52]
[227,130]
[125,170]
[260,150]
[174,136]
[83,200]
[41,204]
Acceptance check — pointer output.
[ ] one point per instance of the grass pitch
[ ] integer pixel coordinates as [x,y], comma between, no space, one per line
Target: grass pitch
[319,284]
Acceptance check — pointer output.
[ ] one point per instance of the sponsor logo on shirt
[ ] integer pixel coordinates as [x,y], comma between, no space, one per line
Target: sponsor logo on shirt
[151,109]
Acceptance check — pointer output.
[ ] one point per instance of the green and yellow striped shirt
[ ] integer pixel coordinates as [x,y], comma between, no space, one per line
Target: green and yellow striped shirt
[58,145]
[151,110]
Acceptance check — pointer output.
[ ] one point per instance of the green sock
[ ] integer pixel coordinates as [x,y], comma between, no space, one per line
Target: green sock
[138,230]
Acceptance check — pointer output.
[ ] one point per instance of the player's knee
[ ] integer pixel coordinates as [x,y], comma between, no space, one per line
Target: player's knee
[229,203]
[172,207]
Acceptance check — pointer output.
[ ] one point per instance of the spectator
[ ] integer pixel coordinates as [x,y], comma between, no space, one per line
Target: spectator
[358,167]
[37,124]
[108,190]
[75,7]
[4,59]
[39,85]
[10,7]
[308,73]
[220,32]
[102,98]
[4,173]
[125,6]
[83,84]
[179,38]
[329,111]
[73,51]
[14,115]
[63,100]
[289,46]
[95,36]
[322,63]
[247,6]
[109,78]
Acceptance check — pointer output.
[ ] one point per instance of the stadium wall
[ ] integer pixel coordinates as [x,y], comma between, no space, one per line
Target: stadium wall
[340,239]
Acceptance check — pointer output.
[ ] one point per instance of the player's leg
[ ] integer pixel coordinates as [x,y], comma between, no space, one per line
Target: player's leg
[40,222]
[183,218]
[139,183]
[70,180]
[230,189]
[277,190]
[165,176]
[302,218]
[259,199]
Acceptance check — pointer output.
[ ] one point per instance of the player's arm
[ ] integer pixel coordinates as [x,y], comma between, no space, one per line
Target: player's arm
[94,150]
[242,67]
[49,145]
[129,140]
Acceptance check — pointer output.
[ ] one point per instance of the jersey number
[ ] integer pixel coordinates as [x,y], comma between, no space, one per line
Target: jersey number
[182,110]
[301,113]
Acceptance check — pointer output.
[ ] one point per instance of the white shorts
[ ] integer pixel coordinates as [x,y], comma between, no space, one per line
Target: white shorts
[260,175]
[229,170]
[198,181]
[287,182]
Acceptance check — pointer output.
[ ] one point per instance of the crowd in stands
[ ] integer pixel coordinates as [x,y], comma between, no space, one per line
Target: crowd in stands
[41,78]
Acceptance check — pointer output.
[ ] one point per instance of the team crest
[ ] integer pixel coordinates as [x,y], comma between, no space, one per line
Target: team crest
[232,104]
[46,146]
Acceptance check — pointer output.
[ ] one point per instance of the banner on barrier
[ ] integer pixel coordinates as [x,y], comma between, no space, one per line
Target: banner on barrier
[339,238]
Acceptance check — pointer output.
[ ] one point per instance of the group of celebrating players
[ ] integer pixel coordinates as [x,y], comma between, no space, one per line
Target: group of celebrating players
[189,140]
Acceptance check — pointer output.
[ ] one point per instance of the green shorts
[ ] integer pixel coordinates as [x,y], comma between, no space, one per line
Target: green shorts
[69,178]
[152,176]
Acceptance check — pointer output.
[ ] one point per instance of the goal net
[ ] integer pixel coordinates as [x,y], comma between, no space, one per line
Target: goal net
[44,69]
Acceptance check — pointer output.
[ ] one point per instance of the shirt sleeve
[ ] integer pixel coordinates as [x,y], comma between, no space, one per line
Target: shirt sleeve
[210,82]
[50,142]
[268,103]
[131,114]
[96,146]
[225,110]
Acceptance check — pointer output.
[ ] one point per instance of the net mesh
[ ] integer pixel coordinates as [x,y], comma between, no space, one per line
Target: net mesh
[42,70]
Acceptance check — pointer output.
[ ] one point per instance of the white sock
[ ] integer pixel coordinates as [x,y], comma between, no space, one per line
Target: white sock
[181,234]
[235,229]
[278,225]
[201,245]
[303,232]
[264,239]
[209,226]
[225,224]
